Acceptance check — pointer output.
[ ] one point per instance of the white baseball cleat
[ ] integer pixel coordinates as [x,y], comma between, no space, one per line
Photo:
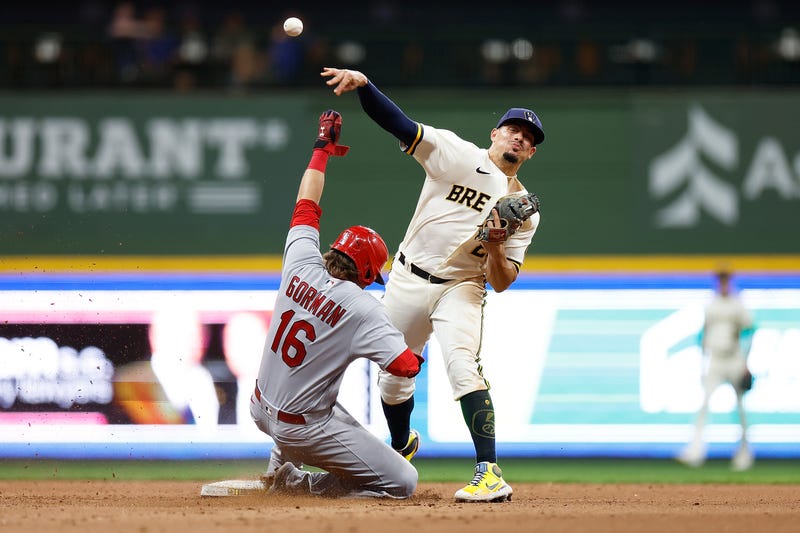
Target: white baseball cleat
[692,462]
[743,460]
[692,456]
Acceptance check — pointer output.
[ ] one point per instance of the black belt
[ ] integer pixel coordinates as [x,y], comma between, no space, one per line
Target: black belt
[417,271]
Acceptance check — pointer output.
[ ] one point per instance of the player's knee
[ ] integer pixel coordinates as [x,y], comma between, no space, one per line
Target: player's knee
[394,389]
[408,482]
[464,382]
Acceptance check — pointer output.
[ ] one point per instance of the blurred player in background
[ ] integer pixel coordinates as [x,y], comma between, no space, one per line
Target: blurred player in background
[439,285]
[725,341]
[242,343]
[178,341]
[323,320]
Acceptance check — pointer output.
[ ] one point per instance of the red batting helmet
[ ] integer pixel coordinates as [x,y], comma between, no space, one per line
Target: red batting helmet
[367,250]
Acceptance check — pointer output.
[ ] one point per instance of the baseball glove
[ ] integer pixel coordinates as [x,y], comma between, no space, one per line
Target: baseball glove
[513,211]
[330,127]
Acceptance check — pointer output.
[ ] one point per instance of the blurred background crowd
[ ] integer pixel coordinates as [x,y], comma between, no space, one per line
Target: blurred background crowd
[238,45]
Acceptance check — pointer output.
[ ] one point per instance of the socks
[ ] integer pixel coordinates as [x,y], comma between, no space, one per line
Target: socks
[398,418]
[478,412]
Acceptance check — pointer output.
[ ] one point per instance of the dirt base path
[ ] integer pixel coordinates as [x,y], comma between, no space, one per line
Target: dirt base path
[153,506]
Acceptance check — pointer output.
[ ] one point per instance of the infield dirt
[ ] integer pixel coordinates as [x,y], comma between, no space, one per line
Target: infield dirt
[153,506]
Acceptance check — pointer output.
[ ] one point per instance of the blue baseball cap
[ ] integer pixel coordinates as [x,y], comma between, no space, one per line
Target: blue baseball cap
[526,117]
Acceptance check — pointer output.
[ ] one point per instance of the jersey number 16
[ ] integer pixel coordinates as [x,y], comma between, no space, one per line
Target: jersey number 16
[291,342]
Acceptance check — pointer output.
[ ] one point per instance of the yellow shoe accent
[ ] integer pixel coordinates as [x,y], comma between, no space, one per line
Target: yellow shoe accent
[412,447]
[487,485]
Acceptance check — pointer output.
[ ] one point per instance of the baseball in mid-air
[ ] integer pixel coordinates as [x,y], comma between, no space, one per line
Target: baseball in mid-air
[293,26]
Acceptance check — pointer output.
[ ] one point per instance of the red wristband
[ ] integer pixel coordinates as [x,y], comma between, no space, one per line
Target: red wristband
[319,160]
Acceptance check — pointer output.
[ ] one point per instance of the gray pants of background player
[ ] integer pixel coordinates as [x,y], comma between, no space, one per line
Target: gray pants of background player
[358,464]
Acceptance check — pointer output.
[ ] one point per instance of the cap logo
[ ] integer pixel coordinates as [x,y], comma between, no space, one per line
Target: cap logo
[524,115]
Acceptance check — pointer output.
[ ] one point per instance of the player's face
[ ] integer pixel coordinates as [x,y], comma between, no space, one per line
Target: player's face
[514,141]
[724,286]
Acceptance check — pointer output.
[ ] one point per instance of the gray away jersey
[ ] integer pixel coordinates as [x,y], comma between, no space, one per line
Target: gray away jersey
[319,326]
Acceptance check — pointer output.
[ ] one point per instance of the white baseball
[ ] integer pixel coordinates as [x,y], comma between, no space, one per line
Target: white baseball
[293,26]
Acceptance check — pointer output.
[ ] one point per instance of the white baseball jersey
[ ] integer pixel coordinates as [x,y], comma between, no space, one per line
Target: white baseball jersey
[320,325]
[726,317]
[461,187]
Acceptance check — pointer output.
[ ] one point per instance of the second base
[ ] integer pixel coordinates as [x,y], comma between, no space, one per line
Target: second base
[233,487]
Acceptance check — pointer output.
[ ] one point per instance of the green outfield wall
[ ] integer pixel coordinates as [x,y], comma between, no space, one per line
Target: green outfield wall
[634,173]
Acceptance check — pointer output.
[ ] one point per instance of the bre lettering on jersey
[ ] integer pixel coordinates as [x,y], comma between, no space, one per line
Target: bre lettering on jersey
[310,299]
[468,196]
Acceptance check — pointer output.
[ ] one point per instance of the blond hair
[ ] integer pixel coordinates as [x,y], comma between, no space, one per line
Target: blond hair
[340,266]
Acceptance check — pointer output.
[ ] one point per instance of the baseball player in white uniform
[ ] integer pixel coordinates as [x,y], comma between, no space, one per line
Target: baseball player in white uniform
[726,321]
[438,278]
[323,320]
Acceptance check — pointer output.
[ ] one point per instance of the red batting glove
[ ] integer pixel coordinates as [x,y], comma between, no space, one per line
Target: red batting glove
[330,127]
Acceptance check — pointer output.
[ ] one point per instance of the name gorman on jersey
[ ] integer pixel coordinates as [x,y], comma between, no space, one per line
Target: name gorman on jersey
[309,298]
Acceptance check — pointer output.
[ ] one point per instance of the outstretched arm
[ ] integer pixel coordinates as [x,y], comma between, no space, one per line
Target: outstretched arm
[343,80]
[311,185]
[376,104]
[307,210]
